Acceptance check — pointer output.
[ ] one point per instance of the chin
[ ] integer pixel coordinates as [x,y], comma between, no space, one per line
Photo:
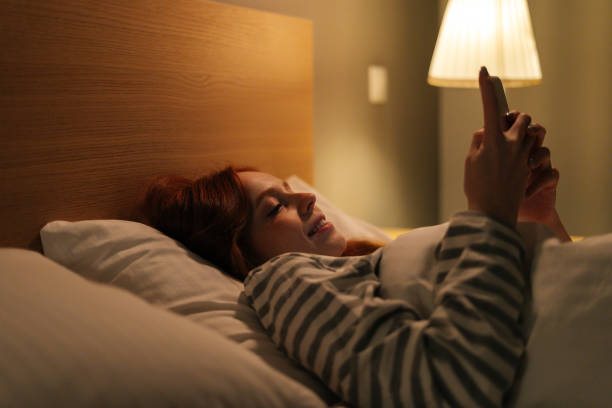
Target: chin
[336,245]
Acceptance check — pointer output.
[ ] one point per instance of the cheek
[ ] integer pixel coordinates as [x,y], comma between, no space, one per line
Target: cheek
[284,232]
[286,224]
[275,238]
[260,239]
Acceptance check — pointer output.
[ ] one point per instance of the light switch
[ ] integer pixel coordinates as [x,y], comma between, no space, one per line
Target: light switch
[377,84]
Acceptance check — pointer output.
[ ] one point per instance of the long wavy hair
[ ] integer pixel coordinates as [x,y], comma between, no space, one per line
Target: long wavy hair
[210,216]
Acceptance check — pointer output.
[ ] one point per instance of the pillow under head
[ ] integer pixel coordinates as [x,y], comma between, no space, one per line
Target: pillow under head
[142,260]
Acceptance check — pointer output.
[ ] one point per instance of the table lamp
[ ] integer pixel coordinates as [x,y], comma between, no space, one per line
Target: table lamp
[493,33]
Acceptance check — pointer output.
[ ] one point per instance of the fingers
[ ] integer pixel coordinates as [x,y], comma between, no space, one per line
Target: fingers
[535,129]
[539,158]
[489,105]
[518,132]
[510,118]
[539,132]
[544,180]
[522,123]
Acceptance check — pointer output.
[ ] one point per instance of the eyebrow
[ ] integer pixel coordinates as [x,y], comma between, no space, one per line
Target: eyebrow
[268,191]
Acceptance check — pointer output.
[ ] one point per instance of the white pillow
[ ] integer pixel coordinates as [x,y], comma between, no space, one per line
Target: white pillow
[350,227]
[68,342]
[569,321]
[569,352]
[160,270]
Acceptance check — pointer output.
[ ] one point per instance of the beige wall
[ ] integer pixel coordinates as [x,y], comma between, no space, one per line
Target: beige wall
[375,162]
[574,39]
[381,162]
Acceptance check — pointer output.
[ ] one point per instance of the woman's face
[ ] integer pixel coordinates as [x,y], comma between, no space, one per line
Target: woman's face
[285,221]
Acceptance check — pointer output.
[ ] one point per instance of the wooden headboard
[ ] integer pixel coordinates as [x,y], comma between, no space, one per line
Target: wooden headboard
[96,97]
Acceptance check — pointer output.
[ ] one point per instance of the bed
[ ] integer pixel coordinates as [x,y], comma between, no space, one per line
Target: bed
[96,99]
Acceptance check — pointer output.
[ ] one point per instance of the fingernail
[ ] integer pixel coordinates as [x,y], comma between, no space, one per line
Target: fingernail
[483,69]
[532,128]
[510,117]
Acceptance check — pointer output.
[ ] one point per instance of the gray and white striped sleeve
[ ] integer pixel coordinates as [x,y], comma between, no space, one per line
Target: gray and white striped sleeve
[325,313]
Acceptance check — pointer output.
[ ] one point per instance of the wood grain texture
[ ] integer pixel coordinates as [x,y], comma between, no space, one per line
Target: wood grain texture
[98,97]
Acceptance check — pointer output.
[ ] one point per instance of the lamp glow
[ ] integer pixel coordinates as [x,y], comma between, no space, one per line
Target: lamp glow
[494,33]
[377,84]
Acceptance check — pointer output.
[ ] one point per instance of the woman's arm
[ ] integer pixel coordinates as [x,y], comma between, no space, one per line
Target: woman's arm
[325,313]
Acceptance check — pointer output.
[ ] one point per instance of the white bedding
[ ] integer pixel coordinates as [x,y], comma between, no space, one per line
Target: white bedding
[158,269]
[69,342]
[569,352]
[569,320]
[569,357]
[569,323]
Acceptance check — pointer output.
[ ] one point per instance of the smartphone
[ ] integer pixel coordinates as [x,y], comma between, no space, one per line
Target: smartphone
[500,95]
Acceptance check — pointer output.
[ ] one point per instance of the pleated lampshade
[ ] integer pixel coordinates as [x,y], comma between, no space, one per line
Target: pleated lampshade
[494,33]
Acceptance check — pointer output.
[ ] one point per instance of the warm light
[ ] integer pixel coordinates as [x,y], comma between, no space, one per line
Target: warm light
[494,33]
[377,84]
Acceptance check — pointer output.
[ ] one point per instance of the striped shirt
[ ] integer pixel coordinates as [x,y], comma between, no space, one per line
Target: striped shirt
[326,313]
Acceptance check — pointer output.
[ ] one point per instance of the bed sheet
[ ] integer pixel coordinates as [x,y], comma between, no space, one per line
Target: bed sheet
[568,359]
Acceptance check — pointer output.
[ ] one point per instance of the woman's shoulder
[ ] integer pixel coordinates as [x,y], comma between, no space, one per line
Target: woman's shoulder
[293,264]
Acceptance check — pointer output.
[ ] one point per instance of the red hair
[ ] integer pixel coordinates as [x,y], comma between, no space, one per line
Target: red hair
[210,217]
[356,247]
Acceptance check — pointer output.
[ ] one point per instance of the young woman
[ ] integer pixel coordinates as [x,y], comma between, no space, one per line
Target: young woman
[324,310]
[239,218]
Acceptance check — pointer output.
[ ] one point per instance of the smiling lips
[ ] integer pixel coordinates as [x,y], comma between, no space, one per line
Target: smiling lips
[318,226]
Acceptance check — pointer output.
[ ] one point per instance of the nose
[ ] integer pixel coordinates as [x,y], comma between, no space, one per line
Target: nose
[306,203]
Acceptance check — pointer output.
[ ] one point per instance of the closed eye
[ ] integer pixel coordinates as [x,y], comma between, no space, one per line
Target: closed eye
[275,210]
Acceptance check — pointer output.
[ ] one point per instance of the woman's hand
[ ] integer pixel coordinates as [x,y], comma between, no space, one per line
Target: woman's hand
[541,194]
[539,204]
[496,167]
